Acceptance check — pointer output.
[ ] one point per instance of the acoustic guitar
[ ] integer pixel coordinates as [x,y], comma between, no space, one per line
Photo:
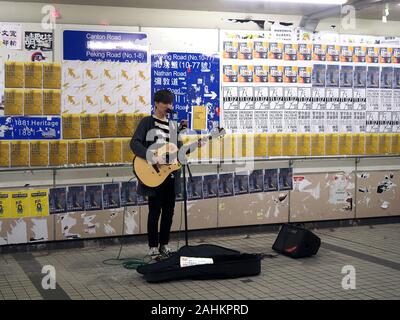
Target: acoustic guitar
[152,175]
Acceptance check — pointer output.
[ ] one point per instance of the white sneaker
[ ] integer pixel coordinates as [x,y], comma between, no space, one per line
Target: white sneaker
[165,250]
[153,251]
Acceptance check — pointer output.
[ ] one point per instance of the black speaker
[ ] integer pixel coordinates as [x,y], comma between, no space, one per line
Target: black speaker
[296,242]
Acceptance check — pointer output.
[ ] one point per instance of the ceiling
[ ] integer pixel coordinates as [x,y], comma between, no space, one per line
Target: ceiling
[368,9]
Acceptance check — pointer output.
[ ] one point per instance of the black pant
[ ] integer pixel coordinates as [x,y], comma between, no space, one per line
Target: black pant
[163,201]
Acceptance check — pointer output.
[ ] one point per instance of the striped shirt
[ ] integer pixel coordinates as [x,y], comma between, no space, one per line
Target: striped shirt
[162,128]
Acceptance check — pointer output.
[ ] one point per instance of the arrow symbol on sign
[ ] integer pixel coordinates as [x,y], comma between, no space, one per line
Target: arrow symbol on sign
[213,95]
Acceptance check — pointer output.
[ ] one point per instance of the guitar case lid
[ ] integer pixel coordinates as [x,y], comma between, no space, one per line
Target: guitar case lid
[227,263]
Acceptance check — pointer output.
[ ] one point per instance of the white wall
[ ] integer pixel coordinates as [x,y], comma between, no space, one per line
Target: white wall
[97,15]
[363,27]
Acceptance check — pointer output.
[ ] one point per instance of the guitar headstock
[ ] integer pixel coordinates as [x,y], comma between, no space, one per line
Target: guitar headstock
[217,132]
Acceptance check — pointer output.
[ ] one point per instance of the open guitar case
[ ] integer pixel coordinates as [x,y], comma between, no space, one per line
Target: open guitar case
[227,263]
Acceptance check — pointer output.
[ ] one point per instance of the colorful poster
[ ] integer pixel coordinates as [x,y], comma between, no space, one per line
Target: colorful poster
[290,51]
[39,203]
[128,193]
[332,53]
[5,204]
[111,196]
[260,49]
[194,80]
[304,51]
[241,183]
[210,186]
[346,76]
[20,204]
[332,75]
[225,185]
[76,198]
[319,75]
[142,200]
[360,77]
[346,53]
[58,200]
[359,53]
[195,188]
[256,180]
[386,78]
[373,77]
[285,179]
[93,198]
[230,49]
[275,50]
[270,180]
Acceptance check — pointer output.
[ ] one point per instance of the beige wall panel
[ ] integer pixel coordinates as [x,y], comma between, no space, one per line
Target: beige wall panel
[378,194]
[322,197]
[13,231]
[132,220]
[40,228]
[89,224]
[202,214]
[255,208]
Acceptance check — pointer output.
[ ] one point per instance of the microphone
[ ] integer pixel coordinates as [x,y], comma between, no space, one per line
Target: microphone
[171,111]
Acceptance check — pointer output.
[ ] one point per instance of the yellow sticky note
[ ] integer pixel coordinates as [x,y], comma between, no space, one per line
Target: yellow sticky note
[39,203]
[51,102]
[4,153]
[33,102]
[371,143]
[33,74]
[94,151]
[358,143]
[125,125]
[396,143]
[14,102]
[20,204]
[317,144]
[289,144]
[199,118]
[345,143]
[107,125]
[274,142]
[14,74]
[303,144]
[127,154]
[58,153]
[331,144]
[385,143]
[5,204]
[112,151]
[71,125]
[260,145]
[76,152]
[90,126]
[228,146]
[39,151]
[51,76]
[19,153]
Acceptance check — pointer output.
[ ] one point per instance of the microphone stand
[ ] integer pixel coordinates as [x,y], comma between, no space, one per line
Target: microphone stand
[185,165]
[185,198]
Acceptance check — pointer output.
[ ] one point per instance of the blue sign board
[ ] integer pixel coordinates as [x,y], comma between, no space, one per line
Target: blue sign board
[30,128]
[105,46]
[194,80]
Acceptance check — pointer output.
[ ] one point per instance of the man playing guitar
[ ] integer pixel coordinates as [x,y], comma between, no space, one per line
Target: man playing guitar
[152,132]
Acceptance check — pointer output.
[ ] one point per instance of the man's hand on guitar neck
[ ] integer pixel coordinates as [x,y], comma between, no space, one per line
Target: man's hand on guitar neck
[202,142]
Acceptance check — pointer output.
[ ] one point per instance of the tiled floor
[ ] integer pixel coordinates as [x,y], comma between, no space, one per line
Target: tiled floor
[81,274]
